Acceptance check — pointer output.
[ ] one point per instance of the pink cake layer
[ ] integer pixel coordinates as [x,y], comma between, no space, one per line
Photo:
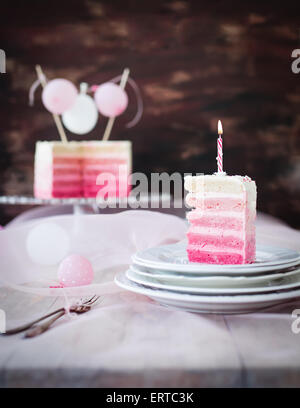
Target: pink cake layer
[105,176]
[222,204]
[64,190]
[94,192]
[58,193]
[66,194]
[222,222]
[112,170]
[67,180]
[71,176]
[74,193]
[92,180]
[117,190]
[215,257]
[66,161]
[65,168]
[71,179]
[104,161]
[216,241]
[203,251]
[93,186]
[67,187]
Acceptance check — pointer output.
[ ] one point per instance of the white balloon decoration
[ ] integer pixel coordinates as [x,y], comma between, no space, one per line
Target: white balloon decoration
[82,117]
[47,244]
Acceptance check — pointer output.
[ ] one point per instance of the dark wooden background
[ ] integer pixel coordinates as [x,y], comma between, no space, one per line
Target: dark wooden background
[196,62]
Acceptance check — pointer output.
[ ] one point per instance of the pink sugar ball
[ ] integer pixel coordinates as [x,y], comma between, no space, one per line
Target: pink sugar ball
[59,95]
[75,270]
[110,99]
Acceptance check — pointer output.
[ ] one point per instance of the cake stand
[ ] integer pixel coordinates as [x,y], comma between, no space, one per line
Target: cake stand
[60,206]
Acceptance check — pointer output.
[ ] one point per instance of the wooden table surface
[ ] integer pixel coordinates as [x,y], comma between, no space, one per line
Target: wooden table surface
[130,341]
[136,343]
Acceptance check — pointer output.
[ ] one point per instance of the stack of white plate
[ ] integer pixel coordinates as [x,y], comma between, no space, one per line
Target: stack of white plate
[165,275]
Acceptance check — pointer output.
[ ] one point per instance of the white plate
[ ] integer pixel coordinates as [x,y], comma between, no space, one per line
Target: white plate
[152,283]
[209,304]
[174,258]
[210,281]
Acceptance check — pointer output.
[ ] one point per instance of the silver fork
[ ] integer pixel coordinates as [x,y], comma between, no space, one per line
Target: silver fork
[82,307]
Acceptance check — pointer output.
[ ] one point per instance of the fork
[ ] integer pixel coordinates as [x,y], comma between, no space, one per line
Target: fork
[41,328]
[82,307]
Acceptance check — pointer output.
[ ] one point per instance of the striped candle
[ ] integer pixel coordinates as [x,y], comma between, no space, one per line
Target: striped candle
[220,148]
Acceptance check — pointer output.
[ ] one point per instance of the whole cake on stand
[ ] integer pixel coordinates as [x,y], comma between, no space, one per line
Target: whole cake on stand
[81,169]
[222,222]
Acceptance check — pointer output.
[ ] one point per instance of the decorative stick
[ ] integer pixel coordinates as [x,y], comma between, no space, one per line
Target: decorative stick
[56,117]
[111,120]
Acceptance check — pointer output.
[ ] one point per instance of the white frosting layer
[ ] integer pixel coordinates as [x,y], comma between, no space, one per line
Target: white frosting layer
[192,199]
[217,214]
[92,148]
[218,232]
[220,184]
[213,249]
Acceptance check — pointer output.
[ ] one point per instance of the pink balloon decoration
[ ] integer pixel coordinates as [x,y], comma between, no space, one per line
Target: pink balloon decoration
[75,270]
[110,99]
[59,95]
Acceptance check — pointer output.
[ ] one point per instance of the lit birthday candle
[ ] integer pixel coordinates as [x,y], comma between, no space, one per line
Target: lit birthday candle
[220,148]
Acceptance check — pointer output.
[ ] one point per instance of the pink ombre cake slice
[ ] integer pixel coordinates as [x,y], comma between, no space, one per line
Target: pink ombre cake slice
[222,223]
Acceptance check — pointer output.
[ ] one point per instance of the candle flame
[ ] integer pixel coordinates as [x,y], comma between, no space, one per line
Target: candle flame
[220,128]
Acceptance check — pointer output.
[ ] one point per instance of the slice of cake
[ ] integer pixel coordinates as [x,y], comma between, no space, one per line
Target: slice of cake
[222,223]
[67,170]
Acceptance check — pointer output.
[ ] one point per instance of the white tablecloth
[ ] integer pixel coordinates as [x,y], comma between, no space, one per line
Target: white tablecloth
[129,340]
